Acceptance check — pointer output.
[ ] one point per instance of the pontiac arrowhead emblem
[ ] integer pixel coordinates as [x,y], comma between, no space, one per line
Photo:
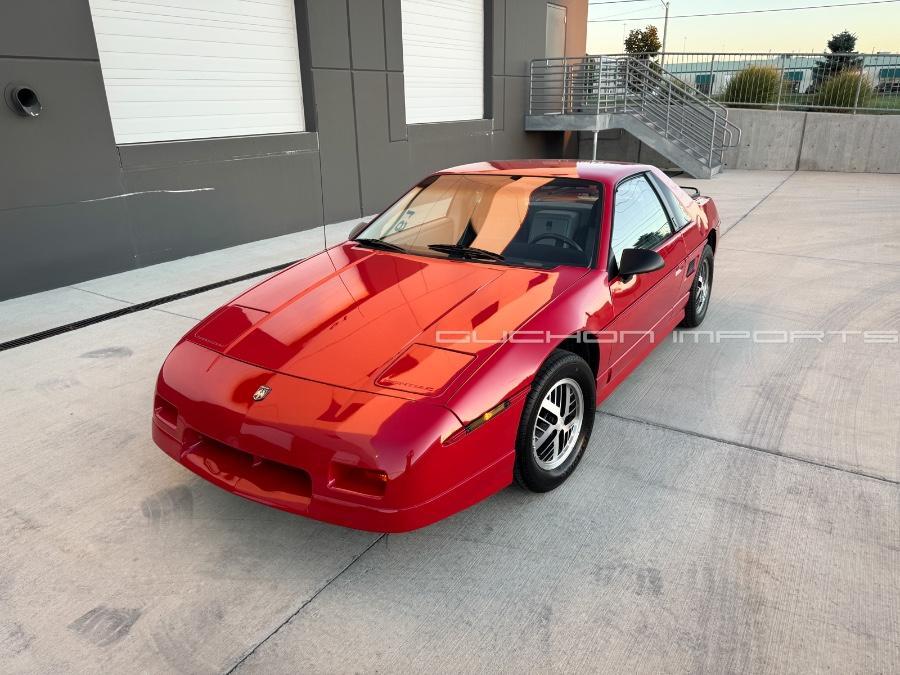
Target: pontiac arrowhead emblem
[261,393]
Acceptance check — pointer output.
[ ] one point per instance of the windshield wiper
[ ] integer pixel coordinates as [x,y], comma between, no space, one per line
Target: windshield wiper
[380,244]
[465,251]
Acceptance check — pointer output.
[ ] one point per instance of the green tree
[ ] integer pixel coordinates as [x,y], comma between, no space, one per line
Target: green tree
[644,41]
[843,57]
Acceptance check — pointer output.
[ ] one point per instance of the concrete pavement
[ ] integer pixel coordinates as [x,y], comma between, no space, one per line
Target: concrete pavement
[737,510]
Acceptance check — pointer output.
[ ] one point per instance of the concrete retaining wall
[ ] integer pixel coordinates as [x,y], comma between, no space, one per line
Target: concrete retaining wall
[769,140]
[814,141]
[784,140]
[869,143]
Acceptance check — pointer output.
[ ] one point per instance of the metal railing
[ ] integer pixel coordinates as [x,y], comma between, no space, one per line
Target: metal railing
[636,86]
[853,82]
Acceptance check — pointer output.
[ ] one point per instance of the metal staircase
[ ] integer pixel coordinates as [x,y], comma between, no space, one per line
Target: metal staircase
[634,93]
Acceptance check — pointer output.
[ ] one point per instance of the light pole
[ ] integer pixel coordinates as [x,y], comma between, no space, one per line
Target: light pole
[665,4]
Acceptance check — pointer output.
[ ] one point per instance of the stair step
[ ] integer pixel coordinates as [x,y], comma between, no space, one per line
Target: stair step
[702,158]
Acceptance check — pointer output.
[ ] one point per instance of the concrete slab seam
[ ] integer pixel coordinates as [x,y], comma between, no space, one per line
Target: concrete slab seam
[773,191]
[101,295]
[746,446]
[259,644]
[802,138]
[171,313]
[815,257]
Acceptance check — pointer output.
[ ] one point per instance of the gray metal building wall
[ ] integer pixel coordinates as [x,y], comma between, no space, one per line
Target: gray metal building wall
[74,205]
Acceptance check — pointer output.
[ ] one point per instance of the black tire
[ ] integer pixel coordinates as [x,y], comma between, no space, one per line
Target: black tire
[560,368]
[695,310]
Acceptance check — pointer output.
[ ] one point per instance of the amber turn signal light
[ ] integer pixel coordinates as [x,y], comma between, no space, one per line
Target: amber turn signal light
[486,417]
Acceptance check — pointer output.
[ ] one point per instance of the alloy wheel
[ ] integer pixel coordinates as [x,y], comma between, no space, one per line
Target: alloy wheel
[702,286]
[558,424]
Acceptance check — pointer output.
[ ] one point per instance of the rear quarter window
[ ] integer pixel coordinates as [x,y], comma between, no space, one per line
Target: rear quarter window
[680,215]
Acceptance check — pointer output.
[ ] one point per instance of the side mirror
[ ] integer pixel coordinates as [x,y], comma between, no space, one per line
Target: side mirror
[359,227]
[640,261]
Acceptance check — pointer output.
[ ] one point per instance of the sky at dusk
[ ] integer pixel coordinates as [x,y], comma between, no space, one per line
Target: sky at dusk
[878,26]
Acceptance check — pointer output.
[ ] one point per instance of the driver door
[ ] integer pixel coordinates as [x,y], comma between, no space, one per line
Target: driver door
[642,303]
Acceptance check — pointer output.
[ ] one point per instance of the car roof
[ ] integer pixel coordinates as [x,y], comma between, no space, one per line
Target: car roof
[600,171]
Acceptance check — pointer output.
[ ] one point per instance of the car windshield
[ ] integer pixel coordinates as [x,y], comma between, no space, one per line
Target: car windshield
[535,221]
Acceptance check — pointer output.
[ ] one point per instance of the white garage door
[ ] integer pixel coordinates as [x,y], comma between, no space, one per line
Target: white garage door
[443,59]
[179,69]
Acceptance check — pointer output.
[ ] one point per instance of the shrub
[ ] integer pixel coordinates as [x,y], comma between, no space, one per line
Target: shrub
[755,84]
[840,91]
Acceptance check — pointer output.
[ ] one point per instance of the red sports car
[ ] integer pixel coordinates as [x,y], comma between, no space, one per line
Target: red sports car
[458,342]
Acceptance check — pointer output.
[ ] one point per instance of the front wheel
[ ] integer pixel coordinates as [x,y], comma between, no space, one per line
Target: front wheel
[556,422]
[698,301]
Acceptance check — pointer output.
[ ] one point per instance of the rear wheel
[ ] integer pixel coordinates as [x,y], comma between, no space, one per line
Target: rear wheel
[698,301]
[556,422]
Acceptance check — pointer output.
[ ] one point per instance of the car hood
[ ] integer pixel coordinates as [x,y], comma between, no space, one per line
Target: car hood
[380,321]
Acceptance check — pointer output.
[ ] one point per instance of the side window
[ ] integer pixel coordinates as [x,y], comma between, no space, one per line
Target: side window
[680,217]
[639,219]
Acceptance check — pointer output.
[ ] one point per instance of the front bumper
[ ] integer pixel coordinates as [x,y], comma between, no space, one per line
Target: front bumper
[292,450]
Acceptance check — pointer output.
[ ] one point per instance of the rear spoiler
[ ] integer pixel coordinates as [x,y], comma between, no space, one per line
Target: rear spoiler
[691,190]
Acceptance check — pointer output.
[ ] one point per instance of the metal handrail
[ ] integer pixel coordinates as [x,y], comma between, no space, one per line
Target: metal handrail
[625,84]
[699,137]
